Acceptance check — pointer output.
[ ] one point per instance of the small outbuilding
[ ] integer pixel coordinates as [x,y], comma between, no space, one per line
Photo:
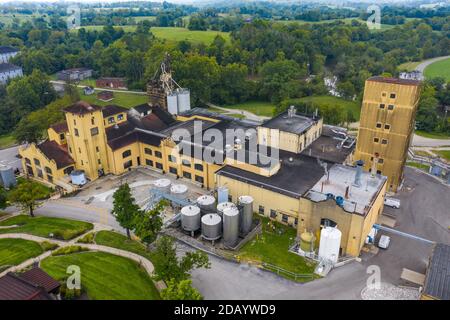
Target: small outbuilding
[105,96]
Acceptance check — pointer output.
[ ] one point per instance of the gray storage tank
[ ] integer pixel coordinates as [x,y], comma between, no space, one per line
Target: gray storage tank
[246,217]
[224,205]
[162,185]
[231,226]
[206,203]
[179,190]
[211,226]
[190,218]
[7,177]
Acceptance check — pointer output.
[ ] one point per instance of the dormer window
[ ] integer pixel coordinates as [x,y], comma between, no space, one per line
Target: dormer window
[120,117]
[111,120]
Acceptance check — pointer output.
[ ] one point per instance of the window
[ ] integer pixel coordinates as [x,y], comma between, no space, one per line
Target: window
[187,175]
[37,162]
[97,149]
[158,154]
[62,136]
[48,170]
[50,178]
[230,198]
[296,221]
[172,158]
[149,162]
[79,150]
[378,171]
[273,214]
[40,174]
[92,120]
[76,132]
[111,120]
[94,131]
[380,160]
[198,167]
[159,165]
[327,223]
[376,140]
[173,170]
[261,210]
[128,164]
[387,126]
[120,117]
[186,163]
[126,153]
[70,150]
[381,105]
[148,151]
[27,161]
[392,95]
[74,122]
[383,94]
[378,124]
[199,179]
[391,107]
[284,218]
[99,161]
[82,163]
[384,141]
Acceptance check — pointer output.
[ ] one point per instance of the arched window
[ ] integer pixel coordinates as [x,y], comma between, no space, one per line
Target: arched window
[126,154]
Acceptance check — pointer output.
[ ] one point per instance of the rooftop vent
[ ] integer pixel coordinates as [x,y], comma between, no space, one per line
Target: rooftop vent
[359,169]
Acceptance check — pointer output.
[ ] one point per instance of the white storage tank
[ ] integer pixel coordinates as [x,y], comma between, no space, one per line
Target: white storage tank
[162,185]
[172,103]
[179,190]
[78,177]
[222,194]
[230,226]
[330,242]
[190,218]
[224,205]
[7,177]
[184,100]
[246,219]
[206,203]
[211,226]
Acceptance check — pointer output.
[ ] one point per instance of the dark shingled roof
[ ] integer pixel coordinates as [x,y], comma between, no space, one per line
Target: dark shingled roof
[437,281]
[60,127]
[395,80]
[5,67]
[52,150]
[296,124]
[82,107]
[7,49]
[41,279]
[293,179]
[112,109]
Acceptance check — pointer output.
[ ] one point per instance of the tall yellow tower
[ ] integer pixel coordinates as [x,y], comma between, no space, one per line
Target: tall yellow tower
[86,139]
[386,126]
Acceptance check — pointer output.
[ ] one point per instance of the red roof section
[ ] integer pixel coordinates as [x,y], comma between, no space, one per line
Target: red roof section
[60,127]
[41,279]
[13,287]
[82,107]
[395,80]
[54,151]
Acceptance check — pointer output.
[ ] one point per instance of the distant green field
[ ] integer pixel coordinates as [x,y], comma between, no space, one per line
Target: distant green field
[438,69]
[124,99]
[180,34]
[149,18]
[346,21]
[9,18]
[330,100]
[408,66]
[99,28]
[6,141]
[259,108]
[432,135]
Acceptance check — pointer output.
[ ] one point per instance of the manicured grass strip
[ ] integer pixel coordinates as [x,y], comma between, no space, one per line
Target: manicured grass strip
[105,276]
[272,247]
[64,229]
[123,99]
[438,69]
[15,251]
[409,66]
[7,141]
[432,135]
[443,154]
[259,108]
[418,165]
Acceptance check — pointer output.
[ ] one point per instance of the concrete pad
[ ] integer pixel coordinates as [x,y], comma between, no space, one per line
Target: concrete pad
[386,221]
[413,277]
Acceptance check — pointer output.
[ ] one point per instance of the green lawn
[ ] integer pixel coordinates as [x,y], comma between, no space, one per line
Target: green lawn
[432,135]
[259,108]
[272,247]
[353,106]
[180,34]
[105,276]
[418,165]
[46,190]
[443,154]
[16,251]
[7,141]
[438,69]
[409,66]
[42,226]
[123,99]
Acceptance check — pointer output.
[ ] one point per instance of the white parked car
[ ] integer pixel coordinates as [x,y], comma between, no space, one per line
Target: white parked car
[384,242]
[392,202]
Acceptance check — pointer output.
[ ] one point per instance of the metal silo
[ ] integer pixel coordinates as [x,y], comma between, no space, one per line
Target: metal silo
[179,190]
[162,185]
[172,103]
[190,218]
[224,205]
[231,226]
[207,204]
[7,177]
[246,205]
[211,226]
[184,100]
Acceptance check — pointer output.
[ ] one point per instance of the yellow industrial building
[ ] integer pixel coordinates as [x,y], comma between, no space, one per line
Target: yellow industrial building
[303,176]
[386,126]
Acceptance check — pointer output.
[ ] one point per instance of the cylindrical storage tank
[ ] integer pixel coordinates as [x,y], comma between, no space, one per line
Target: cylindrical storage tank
[78,177]
[230,226]
[224,205]
[206,203]
[246,203]
[172,103]
[190,218]
[307,241]
[7,177]
[330,242]
[211,226]
[179,190]
[184,100]
[222,194]
[162,185]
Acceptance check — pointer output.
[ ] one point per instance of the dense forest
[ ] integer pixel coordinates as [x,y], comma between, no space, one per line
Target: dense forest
[263,60]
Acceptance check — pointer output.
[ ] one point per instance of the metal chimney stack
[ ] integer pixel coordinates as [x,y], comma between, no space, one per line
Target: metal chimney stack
[359,169]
